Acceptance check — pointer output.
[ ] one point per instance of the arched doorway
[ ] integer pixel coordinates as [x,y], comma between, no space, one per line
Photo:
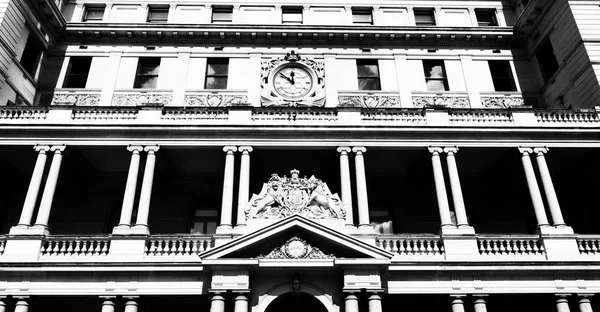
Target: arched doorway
[292,302]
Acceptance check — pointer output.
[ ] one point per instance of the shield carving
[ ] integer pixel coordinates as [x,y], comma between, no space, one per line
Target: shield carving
[295,198]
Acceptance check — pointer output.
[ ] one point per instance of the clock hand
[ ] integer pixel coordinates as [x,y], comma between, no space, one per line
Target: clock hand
[287,78]
[292,76]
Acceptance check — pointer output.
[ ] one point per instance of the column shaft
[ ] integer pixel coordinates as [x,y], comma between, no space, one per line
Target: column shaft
[146,192]
[130,186]
[227,200]
[34,185]
[585,305]
[457,305]
[351,303]
[49,189]
[361,187]
[21,306]
[375,303]
[2,306]
[131,306]
[479,305]
[440,187]
[457,196]
[534,190]
[217,303]
[562,304]
[108,306]
[346,184]
[244,191]
[553,206]
[241,304]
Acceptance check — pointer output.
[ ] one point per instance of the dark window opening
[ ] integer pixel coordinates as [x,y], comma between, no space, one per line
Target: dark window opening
[424,17]
[368,75]
[217,70]
[486,17]
[502,76]
[435,75]
[77,72]
[547,59]
[222,15]
[158,14]
[362,16]
[292,15]
[31,55]
[146,76]
[93,13]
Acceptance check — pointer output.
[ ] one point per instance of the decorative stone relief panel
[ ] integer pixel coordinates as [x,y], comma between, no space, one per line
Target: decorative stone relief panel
[296,248]
[142,99]
[71,98]
[450,101]
[502,101]
[369,101]
[215,100]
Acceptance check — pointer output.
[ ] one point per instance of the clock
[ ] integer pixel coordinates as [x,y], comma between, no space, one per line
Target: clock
[292,82]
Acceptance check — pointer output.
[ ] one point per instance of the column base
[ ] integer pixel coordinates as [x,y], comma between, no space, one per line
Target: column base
[460,230]
[224,229]
[555,230]
[139,229]
[36,230]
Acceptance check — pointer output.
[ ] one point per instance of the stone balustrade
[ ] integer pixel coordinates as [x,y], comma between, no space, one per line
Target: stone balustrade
[411,245]
[63,246]
[17,113]
[164,245]
[196,114]
[104,113]
[557,117]
[588,244]
[393,117]
[512,245]
[480,117]
[294,116]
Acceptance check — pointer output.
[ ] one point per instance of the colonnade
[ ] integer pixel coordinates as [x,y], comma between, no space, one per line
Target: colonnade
[126,224]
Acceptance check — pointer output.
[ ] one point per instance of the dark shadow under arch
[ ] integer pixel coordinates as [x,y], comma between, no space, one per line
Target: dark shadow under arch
[300,302]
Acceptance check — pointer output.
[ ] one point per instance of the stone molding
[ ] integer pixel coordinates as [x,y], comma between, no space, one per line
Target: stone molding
[214,100]
[296,248]
[443,100]
[369,101]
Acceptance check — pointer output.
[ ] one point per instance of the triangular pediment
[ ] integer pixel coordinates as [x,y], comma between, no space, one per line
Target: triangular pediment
[318,240]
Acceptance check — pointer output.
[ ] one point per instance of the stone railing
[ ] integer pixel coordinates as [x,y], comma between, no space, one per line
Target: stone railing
[178,245]
[71,97]
[294,115]
[526,245]
[204,114]
[393,117]
[75,246]
[588,244]
[23,112]
[566,117]
[482,117]
[369,99]
[502,100]
[411,245]
[217,98]
[445,99]
[105,113]
[142,98]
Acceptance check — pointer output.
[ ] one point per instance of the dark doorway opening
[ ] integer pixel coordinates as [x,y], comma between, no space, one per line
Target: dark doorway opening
[292,302]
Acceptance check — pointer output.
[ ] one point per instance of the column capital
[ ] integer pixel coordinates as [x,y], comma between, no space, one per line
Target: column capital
[151,148]
[562,296]
[20,298]
[229,149]
[359,149]
[450,149]
[108,298]
[351,296]
[131,298]
[344,150]
[435,149]
[540,150]
[135,148]
[41,148]
[58,148]
[585,295]
[245,149]
[525,150]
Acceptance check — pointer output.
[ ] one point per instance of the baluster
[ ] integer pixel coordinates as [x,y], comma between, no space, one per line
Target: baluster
[77,248]
[394,244]
[104,250]
[180,247]
[70,248]
[580,246]
[54,247]
[401,246]
[595,246]
[84,248]
[152,248]
[493,248]
[428,247]
[188,247]
[194,247]
[422,246]
[98,247]
[45,246]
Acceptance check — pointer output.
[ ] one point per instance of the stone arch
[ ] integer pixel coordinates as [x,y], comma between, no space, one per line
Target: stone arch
[326,299]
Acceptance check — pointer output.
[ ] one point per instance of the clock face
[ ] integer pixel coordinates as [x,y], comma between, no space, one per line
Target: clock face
[292,82]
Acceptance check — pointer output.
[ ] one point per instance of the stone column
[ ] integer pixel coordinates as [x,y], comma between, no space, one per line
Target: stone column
[146,192]
[21,305]
[346,184]
[457,305]
[375,303]
[108,305]
[131,305]
[562,304]
[534,190]
[48,195]
[440,186]
[244,191]
[241,303]
[553,206]
[361,188]
[584,304]
[34,185]
[479,305]
[227,201]
[457,196]
[217,303]
[351,303]
[130,186]
[2,305]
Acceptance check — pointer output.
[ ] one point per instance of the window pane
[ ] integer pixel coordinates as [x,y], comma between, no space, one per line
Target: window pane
[216,82]
[146,82]
[424,17]
[362,17]
[368,71]
[77,72]
[369,84]
[80,65]
[292,15]
[436,71]
[547,59]
[486,17]
[148,66]
[435,85]
[502,76]
[158,14]
[222,14]
[94,14]
[217,69]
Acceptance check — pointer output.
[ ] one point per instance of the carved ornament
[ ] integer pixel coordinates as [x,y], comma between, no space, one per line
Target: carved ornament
[142,99]
[296,248]
[449,101]
[502,101]
[215,100]
[71,98]
[369,101]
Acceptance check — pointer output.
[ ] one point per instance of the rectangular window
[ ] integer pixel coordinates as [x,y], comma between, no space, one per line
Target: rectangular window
[217,70]
[486,17]
[158,14]
[362,16]
[222,14]
[93,13]
[77,72]
[292,15]
[368,75]
[424,17]
[146,76]
[502,76]
[435,75]
[31,54]
[204,222]
[547,59]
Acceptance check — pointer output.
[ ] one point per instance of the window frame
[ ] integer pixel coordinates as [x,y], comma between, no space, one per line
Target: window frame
[547,59]
[139,77]
[292,11]
[31,55]
[421,12]
[498,79]
[362,11]
[377,78]
[155,8]
[487,12]
[221,10]
[93,7]
[211,61]
[69,75]
[444,79]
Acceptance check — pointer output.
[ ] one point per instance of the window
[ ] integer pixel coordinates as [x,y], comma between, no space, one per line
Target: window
[292,15]
[204,222]
[547,59]
[502,76]
[486,17]
[424,17]
[77,72]
[435,75]
[158,14]
[93,13]
[31,54]
[368,75]
[146,76]
[222,15]
[362,16]
[216,73]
